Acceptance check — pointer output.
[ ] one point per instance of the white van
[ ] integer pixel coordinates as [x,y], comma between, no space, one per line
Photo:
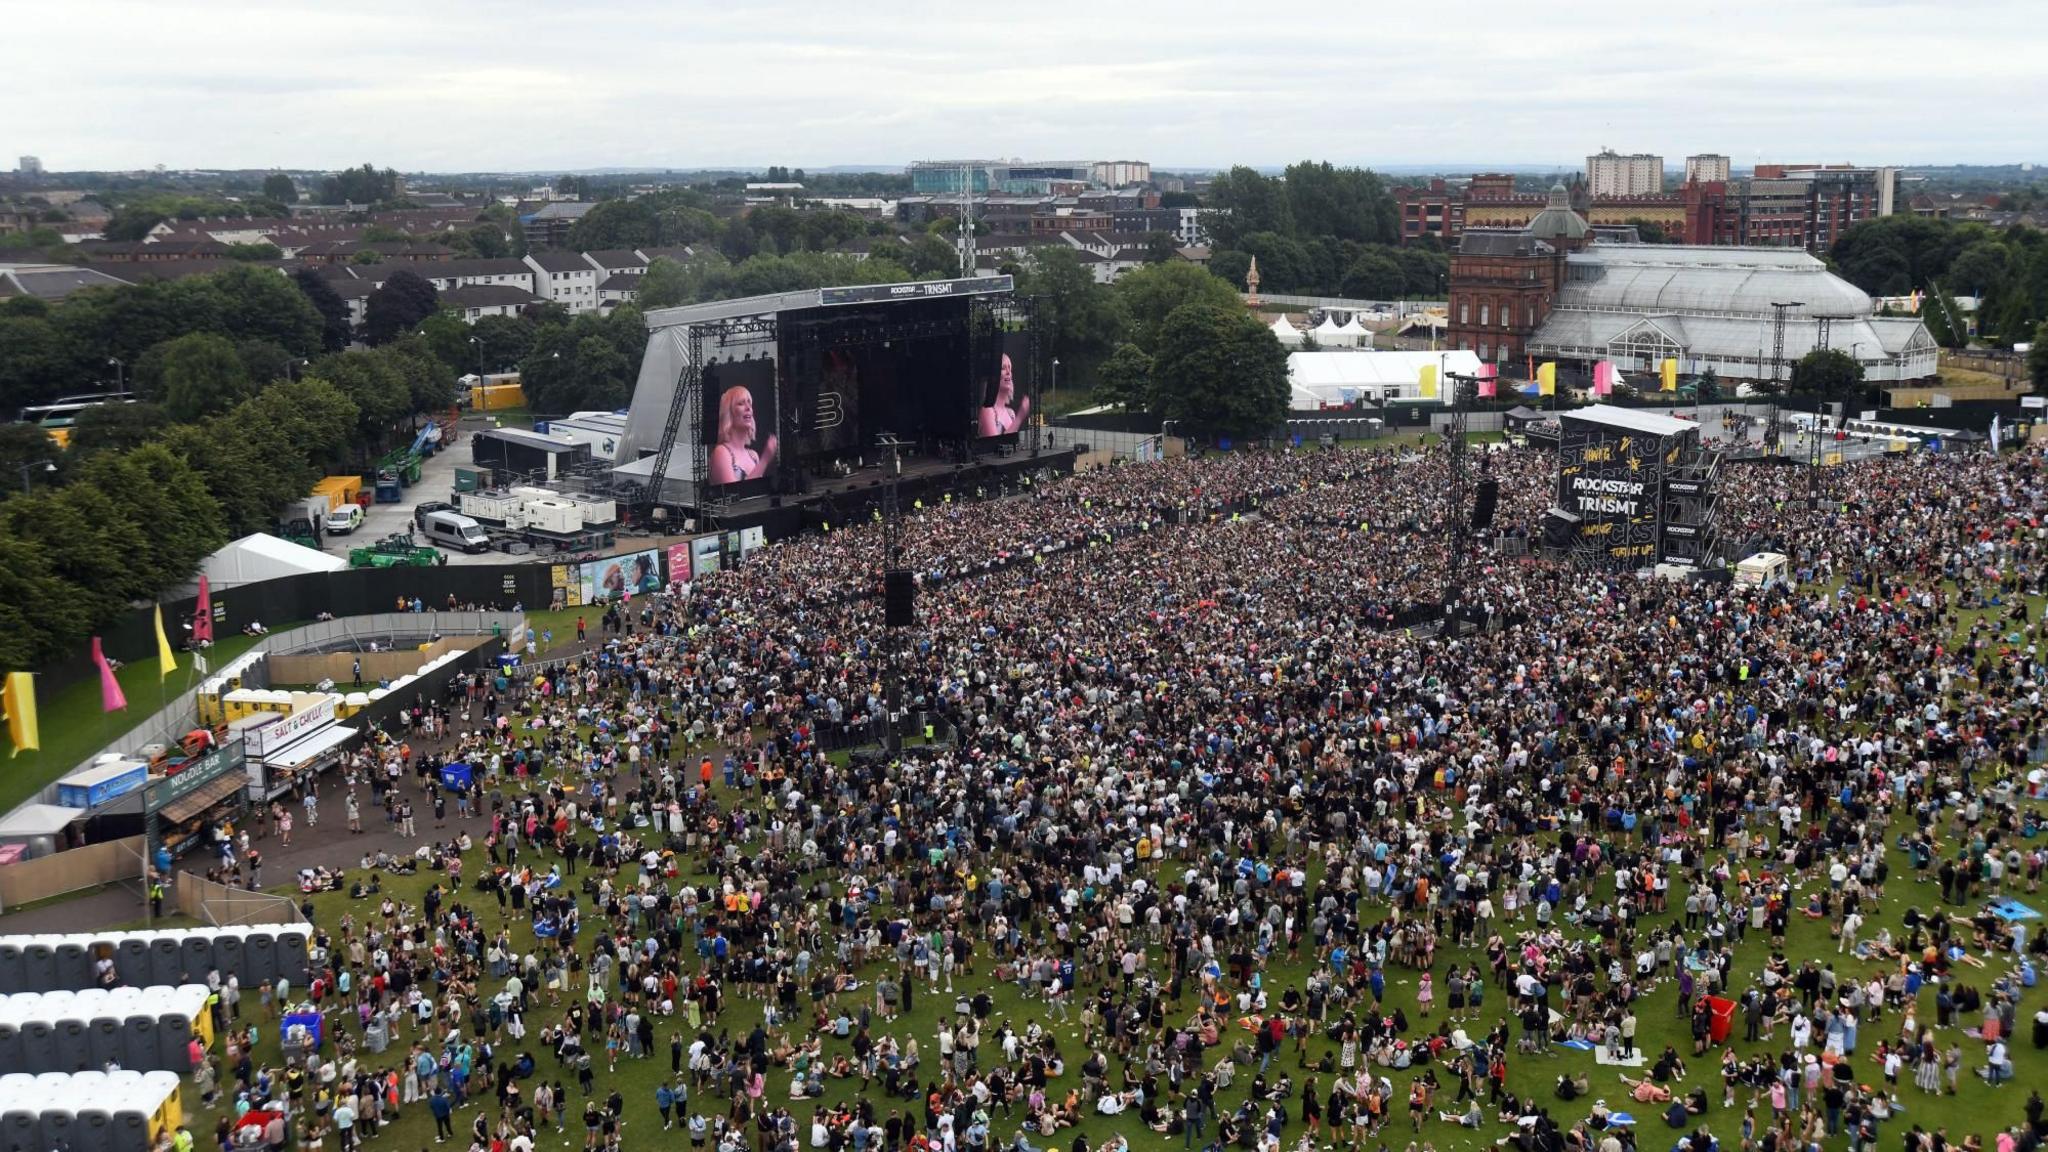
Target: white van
[454,530]
[344,520]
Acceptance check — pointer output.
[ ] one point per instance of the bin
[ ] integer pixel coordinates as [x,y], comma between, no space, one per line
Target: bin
[294,957]
[300,1027]
[74,1045]
[456,777]
[74,963]
[38,1047]
[167,962]
[1723,1023]
[377,1036]
[39,966]
[138,1042]
[259,960]
[103,1037]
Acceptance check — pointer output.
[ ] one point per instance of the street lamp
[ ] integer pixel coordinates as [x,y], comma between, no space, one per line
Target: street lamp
[120,384]
[479,359]
[29,469]
[1055,389]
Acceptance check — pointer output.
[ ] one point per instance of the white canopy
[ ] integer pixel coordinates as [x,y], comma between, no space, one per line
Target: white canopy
[261,556]
[1320,380]
[1286,333]
[38,820]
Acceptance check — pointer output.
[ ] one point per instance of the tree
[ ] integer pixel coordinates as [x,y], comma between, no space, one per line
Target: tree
[1943,319]
[24,445]
[1424,272]
[1707,387]
[1151,293]
[1241,202]
[1220,373]
[600,375]
[365,186]
[666,284]
[202,375]
[1649,231]
[1345,203]
[279,187]
[504,340]
[429,383]
[1161,247]
[1375,275]
[116,428]
[258,304]
[88,542]
[404,299]
[376,387]
[327,305]
[1125,379]
[1085,318]
[253,252]
[161,495]
[39,361]
[1827,374]
[1284,263]
[616,224]
[929,256]
[41,620]
[131,224]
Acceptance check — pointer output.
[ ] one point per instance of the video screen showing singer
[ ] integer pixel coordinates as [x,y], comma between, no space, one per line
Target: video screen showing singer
[1005,413]
[735,457]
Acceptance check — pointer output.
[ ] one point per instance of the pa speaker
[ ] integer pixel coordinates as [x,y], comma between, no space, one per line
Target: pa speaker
[1560,528]
[1483,505]
[899,598]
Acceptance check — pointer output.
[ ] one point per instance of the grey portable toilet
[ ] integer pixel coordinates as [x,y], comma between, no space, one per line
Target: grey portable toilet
[377,1036]
[10,967]
[74,963]
[227,956]
[103,1038]
[138,1043]
[10,1048]
[173,1038]
[131,960]
[167,962]
[57,1126]
[294,957]
[197,960]
[259,959]
[130,1131]
[74,1046]
[39,967]
[22,1131]
[38,1047]
[92,1131]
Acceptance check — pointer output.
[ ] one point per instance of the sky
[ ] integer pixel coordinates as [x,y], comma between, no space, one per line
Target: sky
[520,85]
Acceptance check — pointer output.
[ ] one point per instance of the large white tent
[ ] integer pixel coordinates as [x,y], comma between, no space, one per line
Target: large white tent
[1329,335]
[261,556]
[1320,380]
[1286,333]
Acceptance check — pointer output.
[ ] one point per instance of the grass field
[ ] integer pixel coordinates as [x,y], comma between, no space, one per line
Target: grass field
[1977,1109]
[74,727]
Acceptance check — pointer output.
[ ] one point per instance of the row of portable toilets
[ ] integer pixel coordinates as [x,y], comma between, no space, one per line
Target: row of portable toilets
[140,1029]
[123,1111]
[256,955]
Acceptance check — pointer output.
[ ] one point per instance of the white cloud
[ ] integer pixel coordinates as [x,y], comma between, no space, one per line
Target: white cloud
[526,85]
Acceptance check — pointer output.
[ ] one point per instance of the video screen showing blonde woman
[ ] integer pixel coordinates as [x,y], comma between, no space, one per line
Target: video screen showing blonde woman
[740,414]
[1004,405]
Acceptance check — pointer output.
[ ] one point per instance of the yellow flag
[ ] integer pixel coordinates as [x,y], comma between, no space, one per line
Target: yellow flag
[19,699]
[1670,369]
[167,661]
[1429,381]
[1546,379]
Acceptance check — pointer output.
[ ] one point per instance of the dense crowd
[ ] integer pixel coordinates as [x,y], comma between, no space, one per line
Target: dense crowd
[1197,803]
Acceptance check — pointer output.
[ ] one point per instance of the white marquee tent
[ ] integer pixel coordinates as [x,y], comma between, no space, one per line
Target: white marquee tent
[261,556]
[1318,380]
[1286,333]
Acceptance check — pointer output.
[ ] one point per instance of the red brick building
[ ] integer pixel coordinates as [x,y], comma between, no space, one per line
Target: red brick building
[1503,283]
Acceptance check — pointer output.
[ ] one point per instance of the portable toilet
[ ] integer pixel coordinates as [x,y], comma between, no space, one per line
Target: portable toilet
[104,1039]
[21,1130]
[131,1130]
[167,960]
[74,1044]
[38,1046]
[173,1043]
[74,962]
[11,971]
[10,1045]
[131,960]
[259,958]
[138,1042]
[164,1087]
[227,955]
[39,966]
[57,1126]
[196,955]
[92,1130]
[294,956]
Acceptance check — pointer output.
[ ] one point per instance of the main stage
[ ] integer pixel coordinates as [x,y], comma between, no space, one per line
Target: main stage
[812,401]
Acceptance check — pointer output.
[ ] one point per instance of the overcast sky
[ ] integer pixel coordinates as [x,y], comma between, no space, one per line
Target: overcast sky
[517,85]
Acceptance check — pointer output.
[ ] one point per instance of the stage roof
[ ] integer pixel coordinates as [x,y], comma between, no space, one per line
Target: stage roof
[715,310]
[1631,419]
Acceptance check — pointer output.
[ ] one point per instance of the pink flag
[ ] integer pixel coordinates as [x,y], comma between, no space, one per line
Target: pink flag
[111,699]
[1488,377]
[1603,378]
[202,621]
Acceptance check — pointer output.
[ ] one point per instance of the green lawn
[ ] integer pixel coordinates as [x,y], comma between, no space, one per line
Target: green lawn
[73,727]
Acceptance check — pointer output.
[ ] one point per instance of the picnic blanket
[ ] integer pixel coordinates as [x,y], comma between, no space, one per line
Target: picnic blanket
[1581,1045]
[1620,1120]
[1600,1056]
[2010,909]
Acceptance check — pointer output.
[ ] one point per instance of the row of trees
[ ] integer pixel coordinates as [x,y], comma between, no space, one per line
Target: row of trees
[1320,230]
[2006,269]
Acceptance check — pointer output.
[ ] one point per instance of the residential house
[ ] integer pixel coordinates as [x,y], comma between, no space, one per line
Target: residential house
[565,278]
[548,226]
[615,260]
[50,281]
[618,288]
[474,303]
